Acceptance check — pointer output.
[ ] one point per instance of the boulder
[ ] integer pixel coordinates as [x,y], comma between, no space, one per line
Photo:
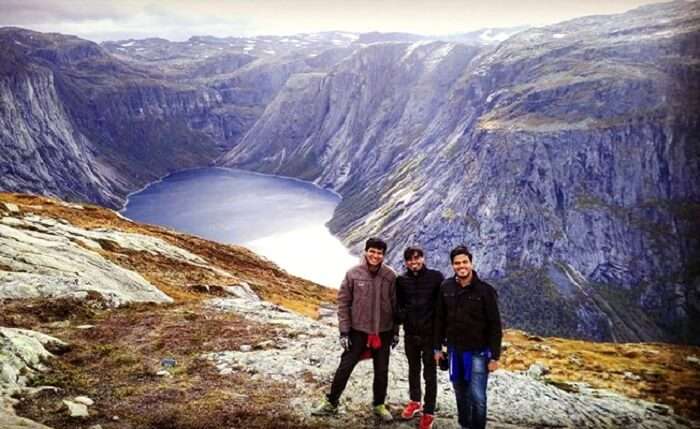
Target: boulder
[83,400]
[75,409]
[537,371]
[243,291]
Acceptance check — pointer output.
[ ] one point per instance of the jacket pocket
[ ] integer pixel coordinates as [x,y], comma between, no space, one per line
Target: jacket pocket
[455,310]
[361,304]
[472,306]
[361,291]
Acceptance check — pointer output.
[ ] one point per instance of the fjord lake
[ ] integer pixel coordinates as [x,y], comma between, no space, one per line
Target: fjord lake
[279,218]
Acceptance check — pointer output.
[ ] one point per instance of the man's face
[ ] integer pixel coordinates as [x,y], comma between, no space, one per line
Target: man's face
[415,262]
[374,256]
[462,266]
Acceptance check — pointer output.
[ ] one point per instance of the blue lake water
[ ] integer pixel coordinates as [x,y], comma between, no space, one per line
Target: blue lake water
[280,218]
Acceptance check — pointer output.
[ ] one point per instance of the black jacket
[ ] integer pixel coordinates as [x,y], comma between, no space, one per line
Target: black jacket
[468,317]
[416,295]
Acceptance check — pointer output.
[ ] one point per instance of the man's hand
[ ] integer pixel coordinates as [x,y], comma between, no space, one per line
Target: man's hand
[395,341]
[345,342]
[438,356]
[493,365]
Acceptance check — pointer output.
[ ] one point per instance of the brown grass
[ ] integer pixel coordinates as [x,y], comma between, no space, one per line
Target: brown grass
[31,312]
[665,375]
[116,362]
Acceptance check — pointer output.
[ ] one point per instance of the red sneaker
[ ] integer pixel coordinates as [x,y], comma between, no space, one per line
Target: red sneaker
[412,409]
[426,421]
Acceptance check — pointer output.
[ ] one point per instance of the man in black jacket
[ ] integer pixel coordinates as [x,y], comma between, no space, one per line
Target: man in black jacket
[468,321]
[417,290]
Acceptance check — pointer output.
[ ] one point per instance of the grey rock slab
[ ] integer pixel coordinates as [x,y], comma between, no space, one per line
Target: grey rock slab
[631,376]
[44,262]
[11,421]
[12,208]
[22,348]
[21,352]
[242,290]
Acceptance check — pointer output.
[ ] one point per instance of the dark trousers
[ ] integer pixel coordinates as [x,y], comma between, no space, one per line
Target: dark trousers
[350,358]
[420,350]
[471,395]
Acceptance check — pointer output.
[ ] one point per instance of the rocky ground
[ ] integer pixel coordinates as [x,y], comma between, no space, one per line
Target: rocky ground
[240,343]
[308,356]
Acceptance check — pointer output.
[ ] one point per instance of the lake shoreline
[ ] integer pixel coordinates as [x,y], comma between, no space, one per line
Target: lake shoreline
[281,218]
[184,170]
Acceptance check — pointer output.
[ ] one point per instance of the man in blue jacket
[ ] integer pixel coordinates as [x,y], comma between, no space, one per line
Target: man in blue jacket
[468,321]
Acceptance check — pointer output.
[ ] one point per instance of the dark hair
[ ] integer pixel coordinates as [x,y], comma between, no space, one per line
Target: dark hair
[375,243]
[460,250]
[412,251]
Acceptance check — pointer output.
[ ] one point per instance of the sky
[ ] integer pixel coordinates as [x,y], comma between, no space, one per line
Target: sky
[177,20]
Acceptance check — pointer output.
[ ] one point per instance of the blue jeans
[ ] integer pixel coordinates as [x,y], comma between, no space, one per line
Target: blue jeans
[471,395]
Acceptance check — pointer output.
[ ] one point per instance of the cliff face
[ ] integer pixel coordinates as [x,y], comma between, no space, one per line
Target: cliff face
[42,150]
[92,123]
[354,122]
[565,157]
[74,122]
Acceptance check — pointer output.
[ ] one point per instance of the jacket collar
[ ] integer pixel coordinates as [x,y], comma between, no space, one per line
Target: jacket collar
[369,270]
[420,272]
[475,280]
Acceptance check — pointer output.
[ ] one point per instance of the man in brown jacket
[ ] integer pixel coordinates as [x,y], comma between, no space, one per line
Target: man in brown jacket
[366,306]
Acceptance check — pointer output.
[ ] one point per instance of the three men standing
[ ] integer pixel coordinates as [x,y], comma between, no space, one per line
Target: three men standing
[460,312]
[417,291]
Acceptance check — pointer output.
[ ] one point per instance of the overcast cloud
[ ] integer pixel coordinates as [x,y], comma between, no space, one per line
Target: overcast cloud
[179,19]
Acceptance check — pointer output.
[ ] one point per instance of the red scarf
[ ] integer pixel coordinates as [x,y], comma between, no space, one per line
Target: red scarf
[373,343]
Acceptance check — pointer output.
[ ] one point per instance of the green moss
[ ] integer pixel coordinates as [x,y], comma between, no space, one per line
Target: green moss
[361,198]
[448,214]
[397,180]
[358,200]
[306,167]
[629,322]
[124,358]
[660,234]
[452,150]
[593,202]
[685,210]
[528,300]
